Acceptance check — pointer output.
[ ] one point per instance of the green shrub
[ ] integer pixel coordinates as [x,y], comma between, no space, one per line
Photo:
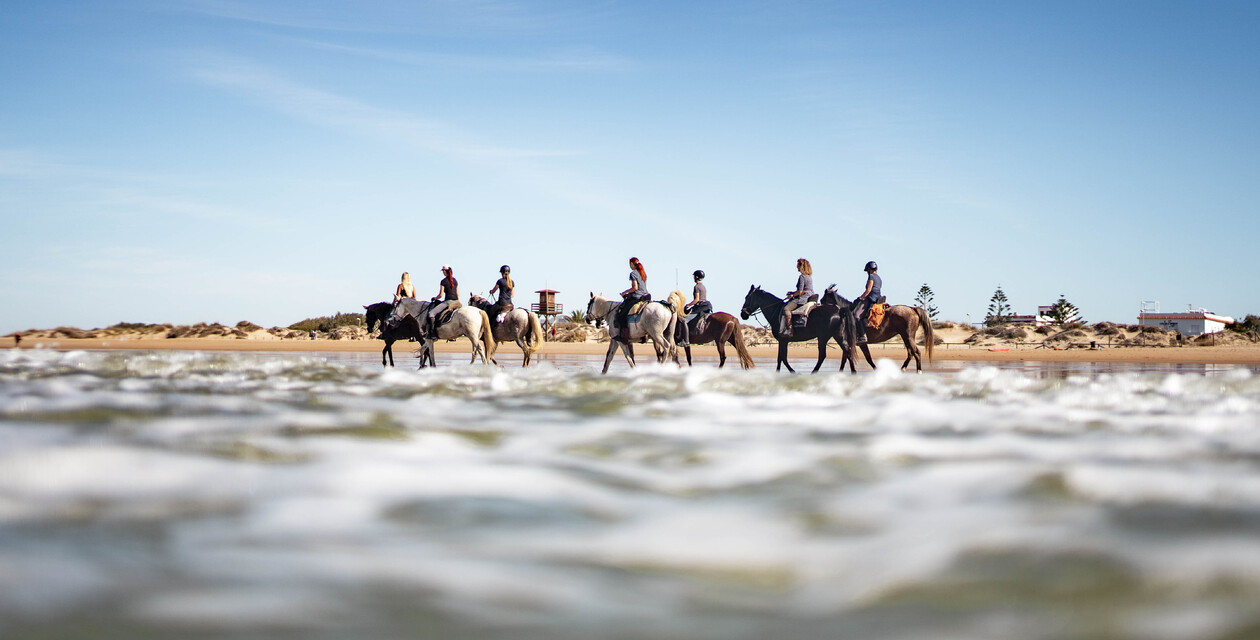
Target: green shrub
[326,324]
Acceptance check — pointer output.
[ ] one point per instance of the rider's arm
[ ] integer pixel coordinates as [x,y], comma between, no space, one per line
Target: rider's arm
[870,284]
[494,288]
[634,286]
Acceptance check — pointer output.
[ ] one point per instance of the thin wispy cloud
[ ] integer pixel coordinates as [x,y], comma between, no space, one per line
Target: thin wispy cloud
[328,109]
[179,206]
[405,16]
[580,59]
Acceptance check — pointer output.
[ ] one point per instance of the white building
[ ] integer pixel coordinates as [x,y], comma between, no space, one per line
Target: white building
[1191,322]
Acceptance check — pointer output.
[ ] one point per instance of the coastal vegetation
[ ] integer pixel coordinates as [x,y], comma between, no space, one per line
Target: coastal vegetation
[327,324]
[926,298]
[999,309]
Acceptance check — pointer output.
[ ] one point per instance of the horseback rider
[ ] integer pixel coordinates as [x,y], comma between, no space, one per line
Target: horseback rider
[804,289]
[405,289]
[448,292]
[637,291]
[699,305]
[505,287]
[869,296]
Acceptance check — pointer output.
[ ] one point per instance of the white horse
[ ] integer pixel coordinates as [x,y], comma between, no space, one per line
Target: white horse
[519,325]
[469,322]
[656,321]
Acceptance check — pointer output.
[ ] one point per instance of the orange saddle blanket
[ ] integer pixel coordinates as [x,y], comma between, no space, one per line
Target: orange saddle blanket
[876,318]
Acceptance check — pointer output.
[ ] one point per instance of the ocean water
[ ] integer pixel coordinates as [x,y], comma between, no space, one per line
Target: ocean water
[198,495]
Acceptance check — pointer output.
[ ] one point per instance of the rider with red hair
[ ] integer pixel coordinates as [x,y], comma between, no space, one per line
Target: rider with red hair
[637,291]
[448,291]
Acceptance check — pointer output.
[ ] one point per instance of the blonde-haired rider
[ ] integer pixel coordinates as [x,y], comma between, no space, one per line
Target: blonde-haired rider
[505,287]
[799,296]
[405,289]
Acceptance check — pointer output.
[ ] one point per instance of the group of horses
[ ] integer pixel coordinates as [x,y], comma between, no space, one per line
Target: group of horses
[664,324]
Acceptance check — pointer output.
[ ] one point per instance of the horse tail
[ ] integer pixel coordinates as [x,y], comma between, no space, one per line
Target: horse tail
[487,337]
[535,332]
[850,329]
[745,360]
[929,340]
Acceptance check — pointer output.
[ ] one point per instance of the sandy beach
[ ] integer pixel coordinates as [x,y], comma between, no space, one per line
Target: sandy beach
[949,352]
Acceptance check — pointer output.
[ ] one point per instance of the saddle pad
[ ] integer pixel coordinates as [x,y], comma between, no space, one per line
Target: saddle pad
[804,309]
[876,319]
[637,309]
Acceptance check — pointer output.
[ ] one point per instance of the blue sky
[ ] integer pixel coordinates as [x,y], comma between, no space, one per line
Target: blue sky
[217,160]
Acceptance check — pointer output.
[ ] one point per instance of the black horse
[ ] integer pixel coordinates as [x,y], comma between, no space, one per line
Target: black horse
[381,314]
[825,322]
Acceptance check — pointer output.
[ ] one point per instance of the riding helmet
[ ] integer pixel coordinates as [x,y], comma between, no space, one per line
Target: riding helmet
[505,269]
[698,273]
[871,266]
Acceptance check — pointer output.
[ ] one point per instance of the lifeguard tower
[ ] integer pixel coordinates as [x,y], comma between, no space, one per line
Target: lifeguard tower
[546,306]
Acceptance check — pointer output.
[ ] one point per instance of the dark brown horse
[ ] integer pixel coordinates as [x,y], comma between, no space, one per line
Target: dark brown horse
[405,328]
[904,321]
[722,329]
[831,321]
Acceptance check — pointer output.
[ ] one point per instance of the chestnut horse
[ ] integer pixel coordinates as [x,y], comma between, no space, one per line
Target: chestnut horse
[904,321]
[720,328]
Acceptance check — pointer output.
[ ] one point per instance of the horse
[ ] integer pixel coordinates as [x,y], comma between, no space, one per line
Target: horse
[720,328]
[469,322]
[825,322]
[656,321]
[904,321]
[520,325]
[404,328]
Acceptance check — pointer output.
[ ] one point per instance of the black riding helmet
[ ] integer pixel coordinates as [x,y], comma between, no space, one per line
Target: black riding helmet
[698,274]
[505,269]
[871,266]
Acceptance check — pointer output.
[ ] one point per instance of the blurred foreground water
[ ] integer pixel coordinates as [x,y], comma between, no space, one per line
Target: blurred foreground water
[189,495]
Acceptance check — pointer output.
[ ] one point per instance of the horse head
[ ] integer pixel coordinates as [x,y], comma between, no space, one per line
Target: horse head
[750,305]
[830,297]
[376,313]
[475,300]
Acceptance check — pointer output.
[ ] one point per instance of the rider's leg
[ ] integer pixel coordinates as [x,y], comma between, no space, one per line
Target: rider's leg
[785,323]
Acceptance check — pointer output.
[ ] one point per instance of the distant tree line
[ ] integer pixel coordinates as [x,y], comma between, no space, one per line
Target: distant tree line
[326,324]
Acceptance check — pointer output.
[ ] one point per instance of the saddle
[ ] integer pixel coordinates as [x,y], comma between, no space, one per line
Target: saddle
[636,309]
[804,309]
[446,316]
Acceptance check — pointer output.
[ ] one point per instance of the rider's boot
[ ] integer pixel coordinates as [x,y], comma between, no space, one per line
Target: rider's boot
[785,326]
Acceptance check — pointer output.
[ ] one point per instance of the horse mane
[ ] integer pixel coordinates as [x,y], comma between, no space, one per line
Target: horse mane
[677,300]
[835,298]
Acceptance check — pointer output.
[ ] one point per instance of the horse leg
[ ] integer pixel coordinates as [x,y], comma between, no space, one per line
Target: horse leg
[866,351]
[687,349]
[612,351]
[783,359]
[822,352]
[520,342]
[912,351]
[721,349]
[385,351]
